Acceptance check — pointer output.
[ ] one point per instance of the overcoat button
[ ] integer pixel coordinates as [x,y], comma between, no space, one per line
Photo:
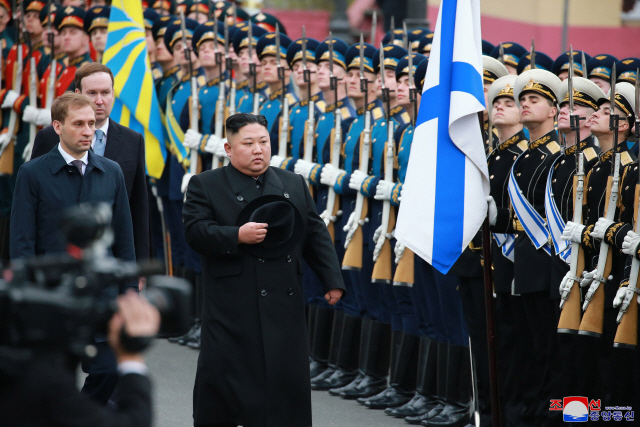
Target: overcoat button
[286,195]
[240,198]
[261,261]
[288,258]
[263,293]
[290,291]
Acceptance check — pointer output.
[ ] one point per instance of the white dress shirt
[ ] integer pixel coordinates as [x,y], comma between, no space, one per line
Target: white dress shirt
[69,158]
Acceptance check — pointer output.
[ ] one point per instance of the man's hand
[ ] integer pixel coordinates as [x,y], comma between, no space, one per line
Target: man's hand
[192,139]
[220,151]
[398,250]
[330,174]
[302,167]
[333,296]
[9,99]
[357,178]
[600,228]
[252,233]
[30,114]
[384,190]
[212,144]
[44,117]
[630,243]
[493,210]
[276,161]
[138,318]
[142,281]
[572,232]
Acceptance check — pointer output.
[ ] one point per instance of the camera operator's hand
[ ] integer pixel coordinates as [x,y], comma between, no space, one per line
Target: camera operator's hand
[138,318]
[252,233]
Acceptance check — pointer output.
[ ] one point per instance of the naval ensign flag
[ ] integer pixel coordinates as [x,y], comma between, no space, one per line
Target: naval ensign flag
[444,195]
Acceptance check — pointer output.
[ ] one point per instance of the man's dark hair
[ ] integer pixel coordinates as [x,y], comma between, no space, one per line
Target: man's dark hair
[240,120]
[91,68]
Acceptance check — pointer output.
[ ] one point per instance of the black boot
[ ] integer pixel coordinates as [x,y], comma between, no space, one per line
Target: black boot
[183,338]
[376,367]
[440,381]
[423,401]
[322,326]
[363,343]
[194,342]
[402,377]
[457,410]
[346,368]
[334,348]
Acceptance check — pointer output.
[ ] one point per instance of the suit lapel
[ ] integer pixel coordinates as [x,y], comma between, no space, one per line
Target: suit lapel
[244,187]
[114,140]
[273,184]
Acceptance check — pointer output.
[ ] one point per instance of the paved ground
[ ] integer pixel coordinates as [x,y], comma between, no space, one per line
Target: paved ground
[173,370]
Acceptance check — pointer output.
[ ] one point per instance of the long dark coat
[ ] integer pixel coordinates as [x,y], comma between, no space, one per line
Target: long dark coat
[253,368]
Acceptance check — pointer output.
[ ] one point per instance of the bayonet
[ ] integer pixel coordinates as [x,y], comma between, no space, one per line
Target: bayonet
[193,159]
[385,90]
[252,70]
[210,12]
[235,14]
[585,71]
[613,121]
[501,53]
[281,74]
[374,24]
[306,72]
[363,80]
[227,58]
[405,36]
[393,27]
[533,54]
[571,81]
[413,91]
[333,80]
[216,52]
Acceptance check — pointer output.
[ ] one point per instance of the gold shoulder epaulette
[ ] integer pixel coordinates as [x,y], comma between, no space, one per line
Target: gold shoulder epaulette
[377,113]
[405,117]
[321,105]
[292,99]
[625,158]
[523,145]
[553,147]
[590,154]
[346,113]
[157,74]
[201,81]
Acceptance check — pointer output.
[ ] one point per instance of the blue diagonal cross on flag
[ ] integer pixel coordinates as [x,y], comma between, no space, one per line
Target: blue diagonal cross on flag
[444,194]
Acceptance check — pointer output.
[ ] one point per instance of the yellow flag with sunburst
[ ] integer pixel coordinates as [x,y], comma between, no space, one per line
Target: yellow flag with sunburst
[135,105]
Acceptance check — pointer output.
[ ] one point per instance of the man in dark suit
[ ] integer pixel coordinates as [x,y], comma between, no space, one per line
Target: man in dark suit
[253,302]
[42,390]
[67,176]
[116,142]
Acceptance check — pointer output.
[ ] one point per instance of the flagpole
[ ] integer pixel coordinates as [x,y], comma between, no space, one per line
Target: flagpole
[489,307]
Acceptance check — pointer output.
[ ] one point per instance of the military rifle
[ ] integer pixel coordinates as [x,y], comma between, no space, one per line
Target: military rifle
[33,90]
[405,36]
[331,213]
[501,53]
[306,72]
[253,74]
[413,90]
[53,67]
[533,54]
[393,33]
[194,119]
[228,61]
[281,73]
[627,333]
[310,125]
[570,301]
[283,138]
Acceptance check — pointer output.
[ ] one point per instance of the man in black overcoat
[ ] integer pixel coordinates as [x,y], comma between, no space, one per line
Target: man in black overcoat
[253,368]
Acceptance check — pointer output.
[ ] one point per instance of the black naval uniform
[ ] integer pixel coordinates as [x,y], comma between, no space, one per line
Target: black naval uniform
[532,271]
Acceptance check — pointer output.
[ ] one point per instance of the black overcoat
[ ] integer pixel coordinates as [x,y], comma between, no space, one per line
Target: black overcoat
[253,368]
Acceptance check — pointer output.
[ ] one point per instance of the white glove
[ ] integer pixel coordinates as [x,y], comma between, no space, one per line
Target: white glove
[565,287]
[587,278]
[185,181]
[9,99]
[350,222]
[630,243]
[330,174]
[573,232]
[220,151]
[493,210]
[26,154]
[44,117]
[276,161]
[384,190]
[30,114]
[398,250]
[623,298]
[192,139]
[212,144]
[357,178]
[600,228]
[4,140]
[302,167]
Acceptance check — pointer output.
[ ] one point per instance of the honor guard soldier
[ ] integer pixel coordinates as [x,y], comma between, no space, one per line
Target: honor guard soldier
[150,17]
[492,69]
[268,22]
[163,7]
[96,24]
[424,45]
[505,118]
[536,92]
[403,364]
[561,64]
[170,69]
[6,34]
[53,47]
[511,54]
[627,69]
[271,61]
[542,61]
[600,67]
[233,14]
[209,47]
[248,81]
[198,10]
[605,224]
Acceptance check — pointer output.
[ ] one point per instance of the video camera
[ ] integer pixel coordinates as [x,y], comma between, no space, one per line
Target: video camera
[63,301]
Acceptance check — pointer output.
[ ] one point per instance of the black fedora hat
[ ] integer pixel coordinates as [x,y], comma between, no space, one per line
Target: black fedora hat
[285,229]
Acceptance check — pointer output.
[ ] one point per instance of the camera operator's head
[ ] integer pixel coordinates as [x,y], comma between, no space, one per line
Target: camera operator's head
[74,119]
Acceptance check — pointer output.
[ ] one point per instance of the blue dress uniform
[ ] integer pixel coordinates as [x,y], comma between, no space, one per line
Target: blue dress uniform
[512,53]
[244,90]
[170,76]
[271,107]
[150,17]
[184,259]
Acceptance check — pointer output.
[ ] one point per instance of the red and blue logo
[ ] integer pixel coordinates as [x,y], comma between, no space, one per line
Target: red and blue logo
[576,409]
